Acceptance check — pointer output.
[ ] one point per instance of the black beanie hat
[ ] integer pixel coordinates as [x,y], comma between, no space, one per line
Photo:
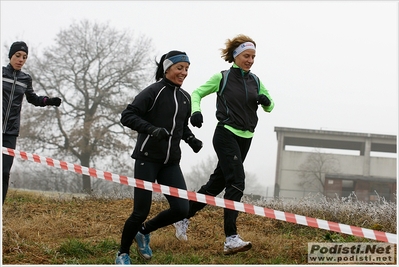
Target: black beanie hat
[17,46]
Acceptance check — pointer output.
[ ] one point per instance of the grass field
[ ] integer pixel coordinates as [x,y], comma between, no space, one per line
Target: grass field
[43,229]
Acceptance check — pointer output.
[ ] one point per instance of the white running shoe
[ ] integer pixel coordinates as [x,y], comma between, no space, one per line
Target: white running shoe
[181,229]
[235,244]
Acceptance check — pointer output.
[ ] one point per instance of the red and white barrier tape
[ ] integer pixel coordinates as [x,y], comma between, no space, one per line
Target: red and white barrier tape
[214,201]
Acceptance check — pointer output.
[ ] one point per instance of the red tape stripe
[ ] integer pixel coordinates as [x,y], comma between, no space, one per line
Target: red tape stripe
[210,200]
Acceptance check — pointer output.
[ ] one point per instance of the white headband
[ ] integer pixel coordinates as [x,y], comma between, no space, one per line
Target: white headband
[243,47]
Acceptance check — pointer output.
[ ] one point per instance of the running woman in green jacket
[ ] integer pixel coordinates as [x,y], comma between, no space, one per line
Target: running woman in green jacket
[239,92]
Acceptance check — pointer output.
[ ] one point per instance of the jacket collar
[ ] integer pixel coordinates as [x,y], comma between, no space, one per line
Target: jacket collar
[243,73]
[169,82]
[9,67]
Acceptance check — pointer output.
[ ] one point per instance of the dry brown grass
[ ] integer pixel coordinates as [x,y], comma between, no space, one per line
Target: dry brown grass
[35,227]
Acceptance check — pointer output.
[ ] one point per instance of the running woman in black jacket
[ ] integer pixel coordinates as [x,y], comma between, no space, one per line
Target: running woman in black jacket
[16,84]
[160,115]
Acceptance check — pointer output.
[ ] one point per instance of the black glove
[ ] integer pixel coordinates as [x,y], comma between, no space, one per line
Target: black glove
[194,143]
[53,101]
[159,133]
[263,100]
[196,119]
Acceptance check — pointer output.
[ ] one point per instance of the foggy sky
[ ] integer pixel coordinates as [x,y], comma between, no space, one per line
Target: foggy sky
[330,65]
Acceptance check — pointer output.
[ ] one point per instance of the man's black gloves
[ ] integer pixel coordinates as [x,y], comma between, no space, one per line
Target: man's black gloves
[263,100]
[159,133]
[53,101]
[194,143]
[196,119]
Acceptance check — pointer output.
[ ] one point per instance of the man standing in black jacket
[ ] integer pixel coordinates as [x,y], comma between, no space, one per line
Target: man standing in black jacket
[16,84]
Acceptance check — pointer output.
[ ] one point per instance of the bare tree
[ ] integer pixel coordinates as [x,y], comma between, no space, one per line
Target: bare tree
[312,171]
[96,71]
[200,173]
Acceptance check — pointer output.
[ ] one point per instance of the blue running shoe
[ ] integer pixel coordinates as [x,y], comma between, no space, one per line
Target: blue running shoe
[122,259]
[143,245]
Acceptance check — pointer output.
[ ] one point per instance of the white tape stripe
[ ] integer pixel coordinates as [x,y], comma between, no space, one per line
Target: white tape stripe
[201,198]
[85,171]
[392,238]
[369,233]
[345,229]
[30,157]
[323,224]
[239,206]
[164,188]
[183,193]
[301,220]
[259,211]
[115,178]
[148,186]
[280,215]
[220,202]
[55,163]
